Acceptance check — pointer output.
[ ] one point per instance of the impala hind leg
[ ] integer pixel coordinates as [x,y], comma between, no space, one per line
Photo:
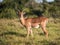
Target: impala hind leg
[43,25]
[45,31]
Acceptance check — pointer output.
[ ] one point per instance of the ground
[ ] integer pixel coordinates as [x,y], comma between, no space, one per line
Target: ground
[13,33]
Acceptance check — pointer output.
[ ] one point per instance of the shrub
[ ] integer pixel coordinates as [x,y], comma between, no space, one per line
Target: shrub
[8,13]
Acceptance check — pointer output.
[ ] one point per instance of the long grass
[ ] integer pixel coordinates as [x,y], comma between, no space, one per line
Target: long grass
[13,33]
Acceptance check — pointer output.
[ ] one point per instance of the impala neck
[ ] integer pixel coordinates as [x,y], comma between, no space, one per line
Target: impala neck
[22,20]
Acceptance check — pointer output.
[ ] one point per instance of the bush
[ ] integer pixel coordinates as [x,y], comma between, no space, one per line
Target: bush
[8,13]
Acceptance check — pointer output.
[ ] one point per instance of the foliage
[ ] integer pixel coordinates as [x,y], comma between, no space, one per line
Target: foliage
[8,8]
[8,13]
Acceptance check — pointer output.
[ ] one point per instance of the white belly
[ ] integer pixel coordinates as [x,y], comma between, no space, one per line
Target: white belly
[37,26]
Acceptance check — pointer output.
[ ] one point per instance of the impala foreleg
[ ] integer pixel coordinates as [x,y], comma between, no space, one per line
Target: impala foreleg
[29,32]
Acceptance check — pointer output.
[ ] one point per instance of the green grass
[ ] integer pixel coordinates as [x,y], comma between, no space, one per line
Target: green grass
[13,33]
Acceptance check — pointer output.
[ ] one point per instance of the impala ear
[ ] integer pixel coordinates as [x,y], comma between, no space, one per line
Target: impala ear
[23,12]
[18,11]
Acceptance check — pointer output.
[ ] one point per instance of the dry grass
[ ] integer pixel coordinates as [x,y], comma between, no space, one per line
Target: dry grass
[13,33]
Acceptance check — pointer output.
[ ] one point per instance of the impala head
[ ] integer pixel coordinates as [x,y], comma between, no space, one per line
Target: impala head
[21,13]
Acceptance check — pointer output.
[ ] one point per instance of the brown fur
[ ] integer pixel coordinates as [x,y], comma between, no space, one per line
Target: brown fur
[32,22]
